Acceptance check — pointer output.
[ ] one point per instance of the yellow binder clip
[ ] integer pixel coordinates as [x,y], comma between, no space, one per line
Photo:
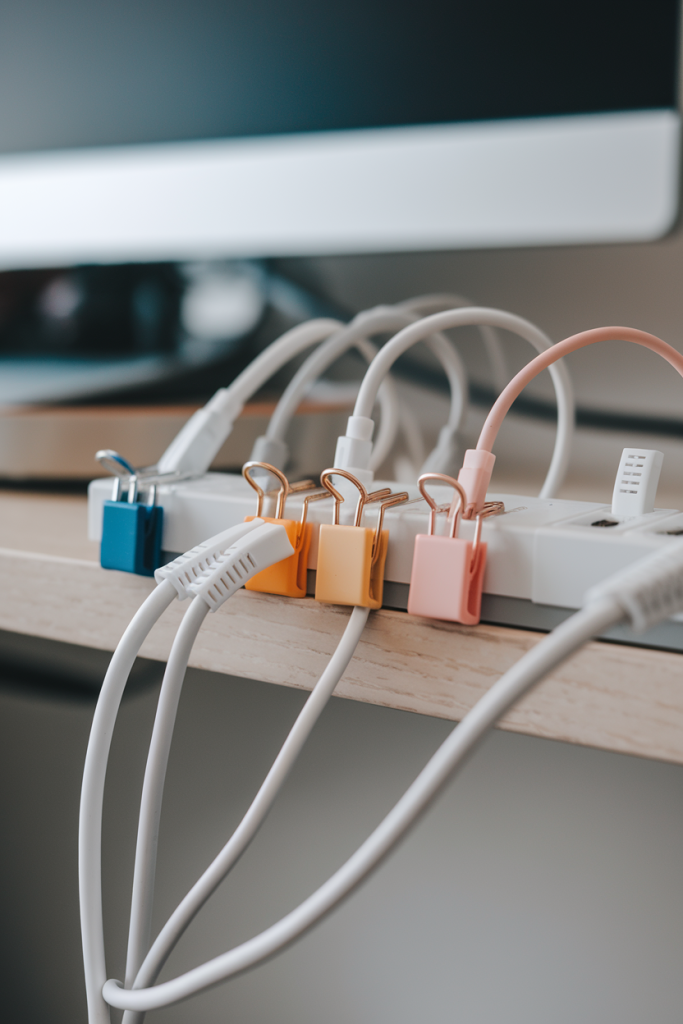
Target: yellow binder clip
[286,578]
[351,558]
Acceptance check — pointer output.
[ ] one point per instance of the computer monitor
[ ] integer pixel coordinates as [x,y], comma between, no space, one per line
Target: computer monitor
[175,129]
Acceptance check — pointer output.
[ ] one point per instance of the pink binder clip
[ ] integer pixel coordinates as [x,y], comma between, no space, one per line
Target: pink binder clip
[448,571]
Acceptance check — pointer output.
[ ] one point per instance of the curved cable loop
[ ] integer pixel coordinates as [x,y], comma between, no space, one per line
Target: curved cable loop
[529,670]
[474,317]
[546,360]
[378,320]
[295,392]
[605,611]
[144,873]
[157,761]
[440,301]
[196,445]
[92,795]
[241,838]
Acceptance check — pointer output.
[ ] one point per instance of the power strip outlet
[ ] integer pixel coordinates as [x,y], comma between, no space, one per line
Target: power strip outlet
[543,554]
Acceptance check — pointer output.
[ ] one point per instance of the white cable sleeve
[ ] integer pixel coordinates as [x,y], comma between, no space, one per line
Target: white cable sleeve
[472,317]
[424,304]
[372,321]
[186,569]
[92,796]
[360,329]
[648,591]
[272,447]
[354,335]
[528,671]
[153,787]
[190,906]
[197,444]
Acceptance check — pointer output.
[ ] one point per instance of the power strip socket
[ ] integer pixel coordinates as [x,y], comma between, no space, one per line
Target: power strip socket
[543,554]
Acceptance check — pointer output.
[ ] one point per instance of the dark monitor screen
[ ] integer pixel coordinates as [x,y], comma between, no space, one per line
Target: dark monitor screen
[79,73]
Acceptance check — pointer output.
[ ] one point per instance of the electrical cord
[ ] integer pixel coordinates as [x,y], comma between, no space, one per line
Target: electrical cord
[544,361]
[438,303]
[173,581]
[354,450]
[92,795]
[477,467]
[231,569]
[206,885]
[196,445]
[647,592]
[586,416]
[272,447]
[139,931]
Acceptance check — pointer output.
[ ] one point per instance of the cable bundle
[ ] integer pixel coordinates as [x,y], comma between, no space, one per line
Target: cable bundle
[646,593]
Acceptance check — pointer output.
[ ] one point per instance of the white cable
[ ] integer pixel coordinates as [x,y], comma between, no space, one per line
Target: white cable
[139,931]
[378,320]
[173,581]
[272,446]
[648,592]
[372,321]
[92,795]
[389,413]
[194,448]
[354,450]
[495,353]
[195,899]
[249,554]
[529,670]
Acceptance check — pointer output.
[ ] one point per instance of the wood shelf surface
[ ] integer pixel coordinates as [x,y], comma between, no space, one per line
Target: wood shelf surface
[612,696]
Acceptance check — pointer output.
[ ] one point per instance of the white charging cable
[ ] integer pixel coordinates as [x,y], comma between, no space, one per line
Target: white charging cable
[231,570]
[173,582]
[194,448]
[648,592]
[354,450]
[210,572]
[141,973]
[272,447]
[438,302]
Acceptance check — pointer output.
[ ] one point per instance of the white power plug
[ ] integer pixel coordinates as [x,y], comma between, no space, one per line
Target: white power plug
[635,487]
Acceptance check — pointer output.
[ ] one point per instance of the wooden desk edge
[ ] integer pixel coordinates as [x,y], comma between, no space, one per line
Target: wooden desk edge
[614,697]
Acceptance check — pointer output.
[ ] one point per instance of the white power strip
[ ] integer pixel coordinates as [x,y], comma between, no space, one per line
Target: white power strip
[542,554]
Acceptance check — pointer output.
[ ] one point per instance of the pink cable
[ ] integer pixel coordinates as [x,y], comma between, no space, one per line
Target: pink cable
[477,468]
[495,418]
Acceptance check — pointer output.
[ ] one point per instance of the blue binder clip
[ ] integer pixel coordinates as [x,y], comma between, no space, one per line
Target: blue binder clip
[131,529]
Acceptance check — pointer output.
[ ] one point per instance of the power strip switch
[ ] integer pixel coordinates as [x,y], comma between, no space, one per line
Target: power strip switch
[635,487]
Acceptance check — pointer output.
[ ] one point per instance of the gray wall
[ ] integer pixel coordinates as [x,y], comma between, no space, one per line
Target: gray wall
[543,885]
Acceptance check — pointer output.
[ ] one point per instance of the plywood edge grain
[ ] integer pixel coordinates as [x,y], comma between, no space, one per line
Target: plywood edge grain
[618,698]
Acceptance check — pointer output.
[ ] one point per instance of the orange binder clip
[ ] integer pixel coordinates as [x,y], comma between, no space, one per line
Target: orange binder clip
[351,558]
[288,577]
[448,571]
